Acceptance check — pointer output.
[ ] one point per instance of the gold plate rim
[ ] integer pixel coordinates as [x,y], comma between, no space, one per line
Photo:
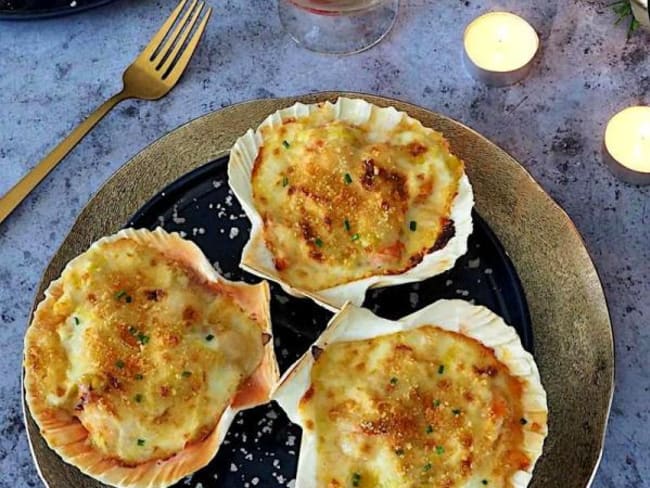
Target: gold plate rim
[210,136]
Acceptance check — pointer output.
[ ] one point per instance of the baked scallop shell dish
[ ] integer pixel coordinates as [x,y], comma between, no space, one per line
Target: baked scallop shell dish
[140,355]
[347,196]
[445,397]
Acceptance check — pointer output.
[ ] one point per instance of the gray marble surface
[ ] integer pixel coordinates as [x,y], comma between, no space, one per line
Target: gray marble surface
[54,71]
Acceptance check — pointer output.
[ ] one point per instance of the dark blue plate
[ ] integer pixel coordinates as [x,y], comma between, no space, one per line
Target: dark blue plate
[262,445]
[32,9]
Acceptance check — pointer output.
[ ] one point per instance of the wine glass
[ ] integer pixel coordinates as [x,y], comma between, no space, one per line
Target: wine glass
[337,26]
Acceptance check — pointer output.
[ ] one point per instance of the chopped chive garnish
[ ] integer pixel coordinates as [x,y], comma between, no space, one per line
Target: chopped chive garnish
[347,178]
[399,451]
[440,450]
[138,398]
[140,442]
[346,224]
[318,242]
[393,380]
[143,338]
[413,225]
[76,320]
[441,369]
[426,467]
[139,377]
[523,421]
[122,294]
[436,403]
[186,374]
[286,144]
[285,181]
[456,411]
[119,363]
[356,237]
[429,429]
[209,337]
[356,479]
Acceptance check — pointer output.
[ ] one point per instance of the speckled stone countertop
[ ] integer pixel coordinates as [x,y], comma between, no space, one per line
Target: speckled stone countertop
[54,71]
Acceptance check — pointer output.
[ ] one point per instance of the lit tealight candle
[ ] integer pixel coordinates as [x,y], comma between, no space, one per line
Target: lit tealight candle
[500,48]
[627,145]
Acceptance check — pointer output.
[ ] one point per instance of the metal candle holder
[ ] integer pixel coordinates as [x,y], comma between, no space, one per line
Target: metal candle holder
[625,134]
[494,75]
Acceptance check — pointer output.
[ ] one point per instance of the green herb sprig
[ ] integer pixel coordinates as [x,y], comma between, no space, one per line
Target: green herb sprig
[623,11]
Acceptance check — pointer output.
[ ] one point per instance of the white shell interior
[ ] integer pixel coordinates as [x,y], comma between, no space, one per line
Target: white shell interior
[257,259]
[353,323]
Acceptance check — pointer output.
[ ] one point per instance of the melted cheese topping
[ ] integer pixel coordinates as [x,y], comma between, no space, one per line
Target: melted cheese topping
[341,202]
[141,351]
[425,407]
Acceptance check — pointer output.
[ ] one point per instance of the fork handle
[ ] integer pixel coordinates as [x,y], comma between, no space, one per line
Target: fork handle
[16,195]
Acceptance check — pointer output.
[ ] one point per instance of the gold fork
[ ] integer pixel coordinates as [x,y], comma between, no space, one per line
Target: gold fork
[150,77]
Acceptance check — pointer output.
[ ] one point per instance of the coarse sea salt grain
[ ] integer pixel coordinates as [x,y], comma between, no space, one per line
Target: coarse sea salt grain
[234,232]
[175,218]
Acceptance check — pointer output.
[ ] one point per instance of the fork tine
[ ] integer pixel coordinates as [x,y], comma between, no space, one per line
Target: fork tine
[172,72]
[170,57]
[155,41]
[164,51]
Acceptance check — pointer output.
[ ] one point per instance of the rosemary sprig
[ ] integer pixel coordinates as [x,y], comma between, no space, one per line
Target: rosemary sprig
[623,10]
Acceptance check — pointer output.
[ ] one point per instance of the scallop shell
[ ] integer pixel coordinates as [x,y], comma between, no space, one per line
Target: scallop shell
[353,323]
[257,259]
[67,436]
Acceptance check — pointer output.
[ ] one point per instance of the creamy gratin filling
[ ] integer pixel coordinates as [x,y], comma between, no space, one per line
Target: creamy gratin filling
[141,350]
[424,407]
[342,202]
